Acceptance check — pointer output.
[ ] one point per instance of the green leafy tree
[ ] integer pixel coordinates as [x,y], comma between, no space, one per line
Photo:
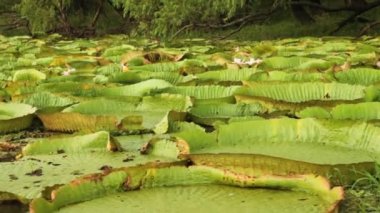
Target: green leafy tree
[68,17]
[42,14]
[163,17]
[168,18]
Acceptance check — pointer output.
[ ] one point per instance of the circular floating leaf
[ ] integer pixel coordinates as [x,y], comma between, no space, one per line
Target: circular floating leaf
[186,185]
[28,75]
[14,117]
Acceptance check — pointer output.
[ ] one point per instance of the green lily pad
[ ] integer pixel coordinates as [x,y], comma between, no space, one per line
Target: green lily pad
[14,117]
[51,162]
[181,183]
[28,75]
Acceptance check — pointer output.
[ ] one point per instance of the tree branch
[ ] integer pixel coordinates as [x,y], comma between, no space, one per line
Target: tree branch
[63,18]
[327,9]
[368,27]
[233,32]
[351,18]
[180,30]
[239,20]
[97,14]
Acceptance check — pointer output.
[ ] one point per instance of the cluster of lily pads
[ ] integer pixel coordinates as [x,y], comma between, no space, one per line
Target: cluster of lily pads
[117,124]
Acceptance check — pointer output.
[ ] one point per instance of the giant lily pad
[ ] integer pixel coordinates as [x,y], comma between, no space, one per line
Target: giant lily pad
[28,75]
[300,141]
[185,186]
[99,141]
[15,117]
[152,113]
[369,111]
[51,162]
[303,92]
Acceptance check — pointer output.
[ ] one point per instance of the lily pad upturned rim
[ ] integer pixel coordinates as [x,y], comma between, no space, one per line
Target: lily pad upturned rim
[10,111]
[126,179]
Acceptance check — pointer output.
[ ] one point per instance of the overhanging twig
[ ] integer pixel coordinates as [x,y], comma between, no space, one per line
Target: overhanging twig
[181,30]
[233,32]
[321,7]
[97,14]
[356,14]
[365,29]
